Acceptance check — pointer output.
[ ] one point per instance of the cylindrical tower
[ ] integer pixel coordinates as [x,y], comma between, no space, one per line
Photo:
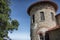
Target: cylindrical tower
[42,15]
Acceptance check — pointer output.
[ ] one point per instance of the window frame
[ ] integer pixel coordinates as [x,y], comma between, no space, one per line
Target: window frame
[42,16]
[52,16]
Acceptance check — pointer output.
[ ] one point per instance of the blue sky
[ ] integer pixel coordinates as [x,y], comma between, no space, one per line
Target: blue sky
[19,12]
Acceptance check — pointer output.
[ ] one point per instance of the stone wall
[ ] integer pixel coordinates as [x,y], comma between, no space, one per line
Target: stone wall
[48,22]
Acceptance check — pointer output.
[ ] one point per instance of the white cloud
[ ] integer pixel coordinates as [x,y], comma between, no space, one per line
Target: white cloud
[25,36]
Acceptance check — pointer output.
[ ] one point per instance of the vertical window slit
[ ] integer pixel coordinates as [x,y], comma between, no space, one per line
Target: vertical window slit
[42,16]
[52,15]
[33,17]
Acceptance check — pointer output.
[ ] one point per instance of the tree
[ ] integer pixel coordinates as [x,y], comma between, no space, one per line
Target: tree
[6,23]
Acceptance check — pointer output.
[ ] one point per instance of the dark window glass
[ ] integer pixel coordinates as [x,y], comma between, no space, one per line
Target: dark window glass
[46,36]
[42,16]
[33,18]
[52,15]
[41,37]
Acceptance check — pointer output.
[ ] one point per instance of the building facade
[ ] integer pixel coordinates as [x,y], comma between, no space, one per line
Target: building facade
[43,20]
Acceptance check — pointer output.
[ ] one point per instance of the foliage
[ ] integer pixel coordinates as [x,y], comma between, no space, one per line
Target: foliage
[6,23]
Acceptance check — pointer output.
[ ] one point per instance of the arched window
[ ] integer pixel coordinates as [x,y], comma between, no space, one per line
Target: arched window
[52,16]
[41,36]
[44,37]
[42,16]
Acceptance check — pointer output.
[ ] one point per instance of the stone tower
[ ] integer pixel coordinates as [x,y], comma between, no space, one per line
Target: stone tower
[42,15]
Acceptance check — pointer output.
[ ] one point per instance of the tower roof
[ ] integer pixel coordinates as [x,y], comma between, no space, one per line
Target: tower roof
[57,15]
[40,2]
[54,28]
